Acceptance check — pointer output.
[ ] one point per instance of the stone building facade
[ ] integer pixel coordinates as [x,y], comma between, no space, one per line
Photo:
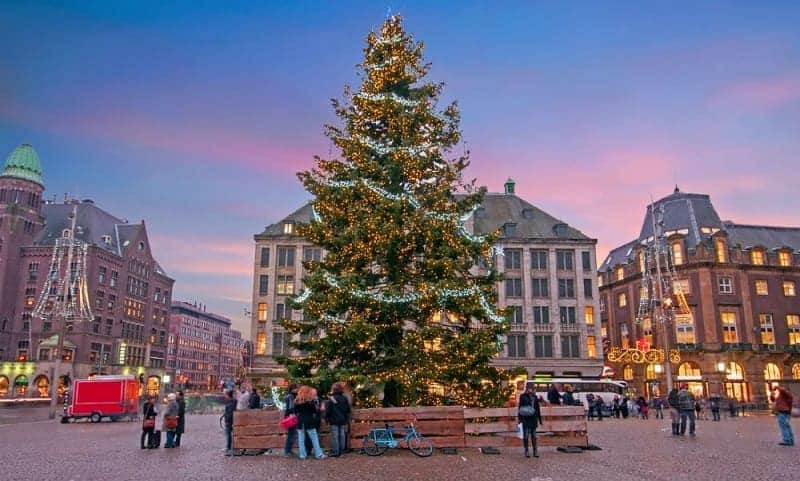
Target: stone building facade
[129,293]
[550,283]
[203,349]
[740,281]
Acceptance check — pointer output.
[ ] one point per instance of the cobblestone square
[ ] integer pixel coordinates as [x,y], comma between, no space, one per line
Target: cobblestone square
[741,448]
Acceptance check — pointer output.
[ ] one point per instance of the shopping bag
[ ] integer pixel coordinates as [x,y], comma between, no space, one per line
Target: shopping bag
[519,430]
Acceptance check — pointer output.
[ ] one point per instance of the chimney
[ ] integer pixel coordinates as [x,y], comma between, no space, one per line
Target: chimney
[509,186]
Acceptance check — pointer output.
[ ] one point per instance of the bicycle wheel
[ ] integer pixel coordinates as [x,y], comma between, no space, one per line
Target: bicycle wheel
[421,446]
[222,422]
[371,448]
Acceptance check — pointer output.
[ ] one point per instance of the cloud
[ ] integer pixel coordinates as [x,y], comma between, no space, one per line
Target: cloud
[180,255]
[761,94]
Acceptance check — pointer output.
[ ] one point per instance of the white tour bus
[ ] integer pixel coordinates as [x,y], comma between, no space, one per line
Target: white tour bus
[605,388]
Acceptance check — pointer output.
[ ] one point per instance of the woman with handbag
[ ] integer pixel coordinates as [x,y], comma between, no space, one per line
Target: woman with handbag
[286,422]
[308,418]
[530,416]
[149,422]
[171,420]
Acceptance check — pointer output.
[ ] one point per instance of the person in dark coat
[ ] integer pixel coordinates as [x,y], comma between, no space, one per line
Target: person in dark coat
[553,396]
[230,407]
[149,412]
[307,409]
[568,397]
[289,408]
[181,419]
[337,415]
[529,419]
[255,400]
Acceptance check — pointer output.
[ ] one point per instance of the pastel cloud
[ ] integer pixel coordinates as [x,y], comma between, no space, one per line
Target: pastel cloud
[761,94]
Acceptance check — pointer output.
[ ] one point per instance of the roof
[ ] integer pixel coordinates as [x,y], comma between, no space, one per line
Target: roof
[23,163]
[182,307]
[619,255]
[301,215]
[683,212]
[769,237]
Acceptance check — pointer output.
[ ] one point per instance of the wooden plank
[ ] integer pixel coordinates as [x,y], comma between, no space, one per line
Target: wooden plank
[419,412]
[563,411]
[567,425]
[257,430]
[259,442]
[499,426]
[253,416]
[472,413]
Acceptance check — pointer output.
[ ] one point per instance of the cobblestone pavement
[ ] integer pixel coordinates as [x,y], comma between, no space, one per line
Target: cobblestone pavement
[740,448]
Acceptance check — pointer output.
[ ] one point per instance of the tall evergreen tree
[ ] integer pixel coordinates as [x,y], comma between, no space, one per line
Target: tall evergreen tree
[398,307]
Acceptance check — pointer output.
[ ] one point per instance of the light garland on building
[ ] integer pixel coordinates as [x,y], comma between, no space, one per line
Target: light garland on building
[638,356]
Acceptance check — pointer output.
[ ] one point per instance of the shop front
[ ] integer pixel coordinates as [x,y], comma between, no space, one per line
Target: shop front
[689,373]
[735,384]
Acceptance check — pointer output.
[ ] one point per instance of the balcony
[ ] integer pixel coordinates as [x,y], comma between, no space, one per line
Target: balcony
[569,327]
[518,327]
[542,327]
[737,346]
[770,348]
[686,346]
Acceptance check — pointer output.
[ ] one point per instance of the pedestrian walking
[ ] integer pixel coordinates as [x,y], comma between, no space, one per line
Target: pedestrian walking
[714,403]
[615,406]
[553,396]
[181,419]
[288,409]
[149,414]
[337,415]
[698,408]
[598,406]
[170,421]
[623,407]
[308,418]
[674,412]
[783,410]
[686,406]
[658,405]
[590,405]
[643,408]
[529,415]
[230,407]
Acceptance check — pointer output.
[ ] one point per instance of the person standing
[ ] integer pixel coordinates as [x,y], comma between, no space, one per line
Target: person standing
[674,413]
[568,397]
[658,404]
[624,408]
[553,396]
[255,400]
[288,409]
[181,419]
[529,414]
[149,415]
[243,401]
[783,410]
[643,408]
[686,405]
[170,421]
[615,406]
[590,406]
[230,407]
[714,403]
[307,408]
[337,414]
[599,404]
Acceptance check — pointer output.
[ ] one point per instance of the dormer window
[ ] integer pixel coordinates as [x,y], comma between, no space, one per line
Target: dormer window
[785,258]
[527,213]
[677,253]
[288,228]
[107,239]
[620,273]
[722,251]
[641,261]
[510,229]
[757,257]
[66,234]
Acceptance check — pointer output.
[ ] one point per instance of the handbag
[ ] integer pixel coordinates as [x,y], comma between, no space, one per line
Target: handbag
[149,423]
[289,422]
[526,411]
[171,422]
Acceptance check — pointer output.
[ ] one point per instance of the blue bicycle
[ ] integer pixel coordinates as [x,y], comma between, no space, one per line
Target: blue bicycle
[379,440]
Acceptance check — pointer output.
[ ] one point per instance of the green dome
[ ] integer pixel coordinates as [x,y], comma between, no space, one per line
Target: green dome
[23,163]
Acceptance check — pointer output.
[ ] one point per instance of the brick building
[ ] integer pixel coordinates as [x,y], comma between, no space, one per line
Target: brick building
[203,349]
[549,270]
[129,293]
[740,283]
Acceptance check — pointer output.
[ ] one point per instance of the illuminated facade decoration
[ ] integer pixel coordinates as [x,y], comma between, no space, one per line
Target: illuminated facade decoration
[738,307]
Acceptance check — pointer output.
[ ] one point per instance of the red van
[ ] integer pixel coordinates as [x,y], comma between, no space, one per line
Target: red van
[113,397]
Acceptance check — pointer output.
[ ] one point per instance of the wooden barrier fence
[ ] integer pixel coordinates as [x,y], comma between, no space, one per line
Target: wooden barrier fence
[445,426]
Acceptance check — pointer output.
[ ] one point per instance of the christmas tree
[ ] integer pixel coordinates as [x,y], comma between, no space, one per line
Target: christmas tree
[399,307]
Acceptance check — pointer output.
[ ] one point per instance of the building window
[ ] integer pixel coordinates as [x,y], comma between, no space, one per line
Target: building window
[263,285]
[281,312]
[33,271]
[586,260]
[288,228]
[757,257]
[564,260]
[684,329]
[620,273]
[285,256]
[729,327]
[789,289]
[261,343]
[567,314]
[515,314]
[627,372]
[587,289]
[570,346]
[509,229]
[541,314]
[109,327]
[516,345]
[113,281]
[591,346]
[513,287]
[543,346]
[625,338]
[566,288]
[588,315]
[265,260]
[767,329]
[538,259]
[677,253]
[622,299]
[722,251]
[600,280]
[513,259]
[793,325]
[785,259]
[312,254]
[539,287]
[726,285]
[681,286]
[640,257]
[280,344]
[761,287]
[262,312]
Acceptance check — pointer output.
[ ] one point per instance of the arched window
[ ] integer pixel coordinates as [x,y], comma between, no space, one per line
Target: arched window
[627,372]
[42,385]
[795,372]
[650,372]
[689,370]
[20,385]
[735,371]
[772,372]
[4,384]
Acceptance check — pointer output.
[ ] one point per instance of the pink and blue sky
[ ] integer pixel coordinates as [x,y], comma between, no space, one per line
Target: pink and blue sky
[195,116]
